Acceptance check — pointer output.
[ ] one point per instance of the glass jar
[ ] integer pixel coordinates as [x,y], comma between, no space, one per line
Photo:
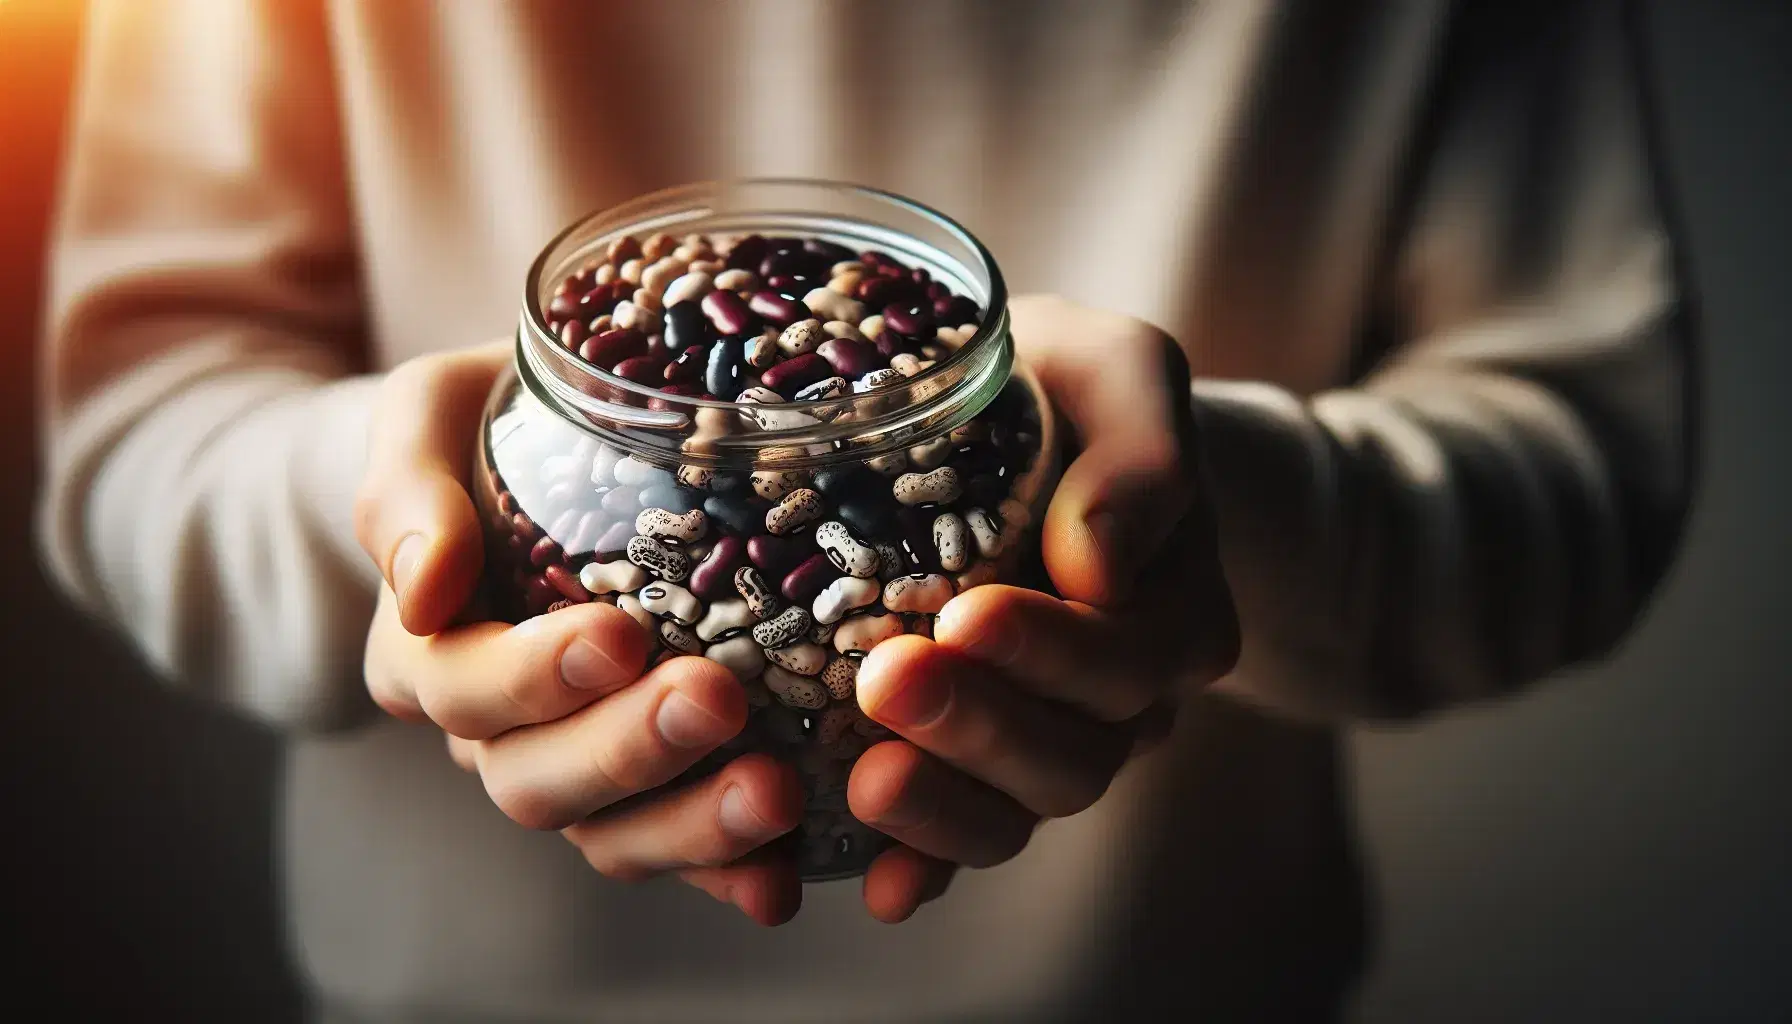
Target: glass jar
[781,534]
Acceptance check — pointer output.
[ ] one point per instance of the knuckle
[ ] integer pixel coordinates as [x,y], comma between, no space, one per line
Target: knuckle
[532,807]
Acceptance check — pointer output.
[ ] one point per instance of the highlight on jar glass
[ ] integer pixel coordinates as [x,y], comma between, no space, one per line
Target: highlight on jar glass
[777,422]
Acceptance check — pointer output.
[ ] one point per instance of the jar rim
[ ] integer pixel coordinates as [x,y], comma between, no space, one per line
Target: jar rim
[548,368]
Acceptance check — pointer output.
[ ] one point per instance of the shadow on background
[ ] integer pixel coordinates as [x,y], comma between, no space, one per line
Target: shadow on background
[138,823]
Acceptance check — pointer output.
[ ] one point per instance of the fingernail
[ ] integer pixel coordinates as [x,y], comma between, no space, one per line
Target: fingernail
[997,643]
[683,724]
[915,808]
[917,704]
[583,666]
[406,560]
[738,820]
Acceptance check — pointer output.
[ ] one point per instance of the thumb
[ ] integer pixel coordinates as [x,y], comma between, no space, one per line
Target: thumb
[414,515]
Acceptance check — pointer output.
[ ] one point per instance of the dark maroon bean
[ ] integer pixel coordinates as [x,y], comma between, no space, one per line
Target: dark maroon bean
[914,321]
[545,553]
[954,310]
[614,543]
[567,583]
[725,373]
[597,302]
[937,291]
[794,374]
[507,503]
[729,313]
[890,345]
[794,284]
[747,253]
[832,252]
[564,306]
[875,258]
[612,347]
[539,595]
[781,310]
[525,527]
[792,262]
[715,574]
[878,292]
[623,249]
[686,326]
[689,365]
[919,275]
[774,556]
[850,357]
[648,369]
[802,583]
[683,388]
[572,332]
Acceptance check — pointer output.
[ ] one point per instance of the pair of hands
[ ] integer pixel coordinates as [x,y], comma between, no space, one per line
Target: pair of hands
[1022,707]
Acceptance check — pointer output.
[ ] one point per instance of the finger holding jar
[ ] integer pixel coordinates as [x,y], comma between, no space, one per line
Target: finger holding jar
[554,714]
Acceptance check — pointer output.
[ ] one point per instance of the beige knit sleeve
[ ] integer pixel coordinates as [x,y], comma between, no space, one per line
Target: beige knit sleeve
[204,434]
[1501,493]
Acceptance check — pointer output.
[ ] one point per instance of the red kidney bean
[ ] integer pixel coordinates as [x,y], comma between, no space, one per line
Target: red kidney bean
[794,284]
[937,291]
[802,583]
[919,275]
[525,527]
[874,258]
[563,306]
[689,364]
[539,594]
[597,302]
[623,249]
[892,270]
[914,321]
[953,310]
[830,252]
[781,310]
[881,291]
[794,374]
[890,345]
[572,332]
[715,574]
[612,347]
[545,552]
[647,369]
[747,253]
[850,357]
[729,312]
[774,556]
[567,583]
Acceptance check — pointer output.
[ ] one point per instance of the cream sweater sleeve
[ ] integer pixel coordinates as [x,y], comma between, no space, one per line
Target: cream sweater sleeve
[1500,494]
[205,434]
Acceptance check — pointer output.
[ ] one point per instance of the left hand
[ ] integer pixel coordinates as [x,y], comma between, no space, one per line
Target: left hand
[1023,706]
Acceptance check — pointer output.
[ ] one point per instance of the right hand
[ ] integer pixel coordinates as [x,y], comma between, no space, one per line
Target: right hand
[554,714]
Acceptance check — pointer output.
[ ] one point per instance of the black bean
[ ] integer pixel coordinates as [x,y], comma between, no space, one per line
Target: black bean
[737,514]
[867,518]
[841,482]
[725,375]
[686,326]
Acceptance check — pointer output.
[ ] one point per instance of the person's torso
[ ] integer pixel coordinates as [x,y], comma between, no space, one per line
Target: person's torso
[1221,169]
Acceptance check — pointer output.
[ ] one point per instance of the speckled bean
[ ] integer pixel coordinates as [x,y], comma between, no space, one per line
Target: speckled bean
[669,564]
[661,524]
[986,531]
[805,659]
[783,628]
[863,632]
[848,553]
[926,593]
[795,691]
[841,677]
[774,485]
[942,486]
[797,509]
[758,595]
[952,540]
[680,638]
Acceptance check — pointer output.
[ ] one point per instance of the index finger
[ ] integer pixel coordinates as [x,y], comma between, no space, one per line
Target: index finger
[413,515]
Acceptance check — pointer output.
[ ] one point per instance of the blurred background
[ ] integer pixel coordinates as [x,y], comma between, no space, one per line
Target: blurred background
[1616,845]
